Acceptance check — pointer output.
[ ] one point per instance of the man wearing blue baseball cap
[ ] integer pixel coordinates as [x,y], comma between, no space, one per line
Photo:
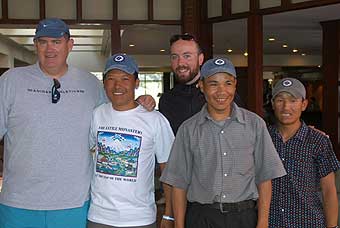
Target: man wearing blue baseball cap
[310,162]
[222,160]
[126,138]
[45,114]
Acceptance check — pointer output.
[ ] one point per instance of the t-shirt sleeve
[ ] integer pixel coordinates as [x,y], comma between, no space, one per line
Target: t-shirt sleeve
[102,95]
[326,159]
[268,164]
[178,170]
[164,139]
[92,133]
[7,93]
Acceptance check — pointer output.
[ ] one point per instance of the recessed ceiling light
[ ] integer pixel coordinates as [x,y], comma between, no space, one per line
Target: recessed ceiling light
[284,45]
[229,50]
[245,54]
[303,54]
[271,39]
[162,50]
[131,45]
[319,66]
[295,50]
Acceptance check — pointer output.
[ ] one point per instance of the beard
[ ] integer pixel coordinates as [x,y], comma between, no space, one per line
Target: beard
[183,78]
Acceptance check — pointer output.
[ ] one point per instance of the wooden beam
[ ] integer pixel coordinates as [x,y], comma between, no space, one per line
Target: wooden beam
[226,7]
[254,6]
[255,64]
[116,42]
[273,10]
[150,10]
[191,18]
[115,9]
[205,37]
[287,6]
[116,45]
[4,5]
[331,77]
[79,10]
[42,9]
[285,3]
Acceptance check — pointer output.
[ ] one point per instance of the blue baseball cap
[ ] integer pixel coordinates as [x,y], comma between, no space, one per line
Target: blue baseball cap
[121,62]
[51,27]
[217,65]
[291,86]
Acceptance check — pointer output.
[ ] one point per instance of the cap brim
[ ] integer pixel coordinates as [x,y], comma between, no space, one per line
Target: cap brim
[119,67]
[217,70]
[53,34]
[292,92]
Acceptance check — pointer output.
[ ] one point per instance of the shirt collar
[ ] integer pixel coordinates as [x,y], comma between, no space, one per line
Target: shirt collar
[236,114]
[301,134]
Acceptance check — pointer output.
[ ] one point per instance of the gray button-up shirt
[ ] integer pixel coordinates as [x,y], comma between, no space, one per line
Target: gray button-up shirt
[222,162]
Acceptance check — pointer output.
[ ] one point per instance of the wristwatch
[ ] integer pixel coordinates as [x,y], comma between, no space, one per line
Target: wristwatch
[169,218]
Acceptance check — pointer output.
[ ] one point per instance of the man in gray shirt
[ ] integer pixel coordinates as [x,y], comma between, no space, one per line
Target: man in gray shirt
[222,160]
[45,114]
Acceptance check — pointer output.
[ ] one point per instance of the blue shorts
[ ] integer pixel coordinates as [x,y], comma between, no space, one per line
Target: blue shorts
[12,217]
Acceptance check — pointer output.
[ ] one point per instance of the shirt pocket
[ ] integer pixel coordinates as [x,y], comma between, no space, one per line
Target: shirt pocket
[300,167]
[244,163]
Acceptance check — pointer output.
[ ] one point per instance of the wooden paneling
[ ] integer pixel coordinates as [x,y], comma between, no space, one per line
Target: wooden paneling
[255,64]
[330,69]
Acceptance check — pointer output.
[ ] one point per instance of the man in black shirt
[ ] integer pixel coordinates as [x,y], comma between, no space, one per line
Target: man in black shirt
[185,99]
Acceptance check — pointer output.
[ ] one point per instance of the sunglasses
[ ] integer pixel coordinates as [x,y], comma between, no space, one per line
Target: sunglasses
[185,36]
[55,92]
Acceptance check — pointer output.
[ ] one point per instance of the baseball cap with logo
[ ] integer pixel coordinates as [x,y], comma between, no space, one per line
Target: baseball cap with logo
[51,27]
[290,85]
[217,65]
[121,62]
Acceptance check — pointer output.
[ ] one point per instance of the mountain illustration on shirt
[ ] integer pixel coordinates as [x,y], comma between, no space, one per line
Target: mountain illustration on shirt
[117,153]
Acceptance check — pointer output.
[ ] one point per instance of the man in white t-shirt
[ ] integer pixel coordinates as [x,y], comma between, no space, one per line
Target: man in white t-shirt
[126,138]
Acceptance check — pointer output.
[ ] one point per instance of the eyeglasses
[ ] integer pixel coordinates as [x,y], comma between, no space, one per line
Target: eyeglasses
[55,92]
[185,36]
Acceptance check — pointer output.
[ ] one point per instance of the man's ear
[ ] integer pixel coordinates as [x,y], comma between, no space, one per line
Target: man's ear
[200,85]
[137,83]
[200,58]
[70,44]
[304,104]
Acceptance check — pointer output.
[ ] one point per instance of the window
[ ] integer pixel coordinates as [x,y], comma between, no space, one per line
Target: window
[151,83]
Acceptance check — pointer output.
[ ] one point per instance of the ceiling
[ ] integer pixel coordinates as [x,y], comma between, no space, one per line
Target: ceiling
[298,29]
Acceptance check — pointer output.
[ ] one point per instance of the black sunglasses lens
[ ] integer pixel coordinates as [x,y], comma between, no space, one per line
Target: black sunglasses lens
[55,92]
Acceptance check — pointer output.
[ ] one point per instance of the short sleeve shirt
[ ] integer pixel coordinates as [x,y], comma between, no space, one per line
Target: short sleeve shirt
[225,163]
[296,198]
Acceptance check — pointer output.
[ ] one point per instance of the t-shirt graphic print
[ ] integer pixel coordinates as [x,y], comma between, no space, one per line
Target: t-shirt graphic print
[118,154]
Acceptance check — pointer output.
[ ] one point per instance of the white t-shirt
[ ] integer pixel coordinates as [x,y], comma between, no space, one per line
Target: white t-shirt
[122,187]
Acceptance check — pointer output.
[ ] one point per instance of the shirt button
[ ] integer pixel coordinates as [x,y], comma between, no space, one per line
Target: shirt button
[222,132]
[225,174]
[225,154]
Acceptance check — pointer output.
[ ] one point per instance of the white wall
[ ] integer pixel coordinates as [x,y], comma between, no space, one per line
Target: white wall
[95,62]
[9,51]
[90,61]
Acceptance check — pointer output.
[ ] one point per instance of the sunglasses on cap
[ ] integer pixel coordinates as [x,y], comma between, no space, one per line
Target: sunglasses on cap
[55,92]
[185,36]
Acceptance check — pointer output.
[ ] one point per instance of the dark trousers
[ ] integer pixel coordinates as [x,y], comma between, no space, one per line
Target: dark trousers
[200,216]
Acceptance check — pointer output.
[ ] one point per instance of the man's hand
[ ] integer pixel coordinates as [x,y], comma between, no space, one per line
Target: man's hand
[318,130]
[147,102]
